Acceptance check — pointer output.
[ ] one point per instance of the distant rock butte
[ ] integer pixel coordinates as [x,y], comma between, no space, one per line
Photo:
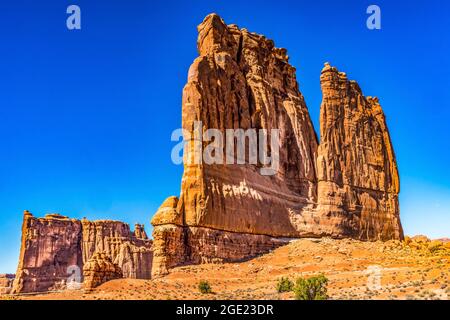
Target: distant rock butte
[346,186]
[6,281]
[56,247]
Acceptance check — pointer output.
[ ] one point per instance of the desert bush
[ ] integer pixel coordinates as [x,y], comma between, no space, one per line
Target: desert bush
[284,285]
[435,246]
[204,287]
[8,297]
[314,288]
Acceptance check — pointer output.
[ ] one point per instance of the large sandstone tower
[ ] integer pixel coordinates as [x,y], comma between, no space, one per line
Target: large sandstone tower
[346,186]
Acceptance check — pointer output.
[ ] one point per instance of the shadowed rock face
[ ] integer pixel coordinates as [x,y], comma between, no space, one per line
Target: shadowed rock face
[345,187]
[54,247]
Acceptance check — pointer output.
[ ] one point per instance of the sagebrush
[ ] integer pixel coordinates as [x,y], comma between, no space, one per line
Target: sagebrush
[314,288]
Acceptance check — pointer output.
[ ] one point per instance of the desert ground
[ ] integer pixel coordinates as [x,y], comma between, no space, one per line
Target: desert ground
[411,269]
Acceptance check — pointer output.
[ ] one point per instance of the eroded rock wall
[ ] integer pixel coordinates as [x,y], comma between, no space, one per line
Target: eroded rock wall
[55,246]
[49,247]
[358,181]
[99,269]
[242,81]
[345,187]
[131,251]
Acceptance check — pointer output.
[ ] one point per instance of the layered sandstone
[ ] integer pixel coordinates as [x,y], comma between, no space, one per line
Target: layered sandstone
[6,282]
[345,187]
[175,244]
[55,248]
[49,247]
[242,81]
[358,181]
[99,269]
[131,251]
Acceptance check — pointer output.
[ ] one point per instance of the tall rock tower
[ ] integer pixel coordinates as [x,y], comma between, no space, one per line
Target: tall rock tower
[345,187]
[358,181]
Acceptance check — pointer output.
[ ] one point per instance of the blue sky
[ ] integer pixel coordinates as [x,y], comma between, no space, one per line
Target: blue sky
[86,116]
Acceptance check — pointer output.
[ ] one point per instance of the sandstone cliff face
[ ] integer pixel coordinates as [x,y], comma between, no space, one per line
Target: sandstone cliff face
[356,166]
[131,251]
[241,81]
[345,187]
[169,240]
[55,246]
[6,282]
[49,247]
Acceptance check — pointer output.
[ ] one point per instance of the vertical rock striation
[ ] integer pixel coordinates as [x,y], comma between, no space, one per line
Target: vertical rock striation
[99,269]
[358,182]
[49,247]
[241,81]
[6,282]
[55,246]
[234,208]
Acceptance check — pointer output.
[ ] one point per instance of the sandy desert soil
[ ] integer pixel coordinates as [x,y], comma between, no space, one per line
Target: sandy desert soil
[414,271]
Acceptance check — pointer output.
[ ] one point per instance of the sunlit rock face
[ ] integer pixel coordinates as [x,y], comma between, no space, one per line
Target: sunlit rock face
[242,81]
[54,250]
[345,187]
[358,180]
[100,269]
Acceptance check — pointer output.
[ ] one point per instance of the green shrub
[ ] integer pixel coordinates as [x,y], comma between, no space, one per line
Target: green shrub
[204,287]
[284,285]
[314,288]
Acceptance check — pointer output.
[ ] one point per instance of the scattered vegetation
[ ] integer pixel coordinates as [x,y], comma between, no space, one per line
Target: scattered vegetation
[204,287]
[8,297]
[314,288]
[285,285]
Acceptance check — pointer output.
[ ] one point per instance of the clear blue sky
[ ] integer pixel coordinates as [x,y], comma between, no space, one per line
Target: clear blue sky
[86,116]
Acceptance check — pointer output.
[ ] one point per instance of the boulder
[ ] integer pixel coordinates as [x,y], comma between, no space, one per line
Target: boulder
[99,269]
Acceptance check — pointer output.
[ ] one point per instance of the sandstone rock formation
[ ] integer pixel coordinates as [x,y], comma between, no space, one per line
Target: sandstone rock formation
[6,282]
[358,182]
[99,269]
[345,187]
[56,247]
[49,247]
[131,251]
